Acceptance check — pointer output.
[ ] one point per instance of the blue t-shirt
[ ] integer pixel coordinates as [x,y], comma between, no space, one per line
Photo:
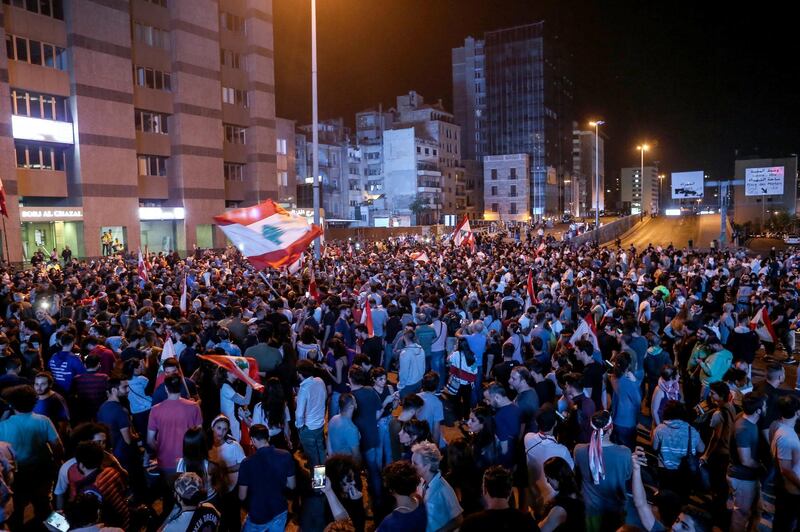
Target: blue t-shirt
[477,342]
[626,403]
[116,417]
[265,474]
[368,404]
[54,407]
[343,435]
[65,366]
[507,421]
[415,521]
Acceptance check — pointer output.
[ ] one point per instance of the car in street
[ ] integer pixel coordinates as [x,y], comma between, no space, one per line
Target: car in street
[792,240]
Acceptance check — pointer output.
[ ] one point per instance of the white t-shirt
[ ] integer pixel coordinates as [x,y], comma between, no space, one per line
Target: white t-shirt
[538,449]
[228,401]
[786,446]
[230,454]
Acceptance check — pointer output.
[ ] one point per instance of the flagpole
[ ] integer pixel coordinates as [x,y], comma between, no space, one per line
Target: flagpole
[315,124]
[5,240]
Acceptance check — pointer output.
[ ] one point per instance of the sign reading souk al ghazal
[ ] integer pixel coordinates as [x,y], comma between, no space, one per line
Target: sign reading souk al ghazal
[763,181]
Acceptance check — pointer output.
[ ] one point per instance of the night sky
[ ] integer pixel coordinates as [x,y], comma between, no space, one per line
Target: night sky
[695,80]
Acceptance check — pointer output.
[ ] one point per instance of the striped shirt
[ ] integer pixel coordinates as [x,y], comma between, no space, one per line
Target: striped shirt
[671,440]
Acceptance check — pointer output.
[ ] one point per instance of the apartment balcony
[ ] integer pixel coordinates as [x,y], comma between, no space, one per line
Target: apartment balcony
[153,187]
[234,190]
[428,169]
[48,183]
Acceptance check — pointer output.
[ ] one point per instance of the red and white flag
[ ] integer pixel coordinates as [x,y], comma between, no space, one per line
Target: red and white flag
[141,267]
[463,236]
[295,267]
[586,331]
[3,207]
[366,318]
[762,325]
[184,297]
[168,351]
[419,256]
[531,299]
[312,286]
[245,368]
[267,234]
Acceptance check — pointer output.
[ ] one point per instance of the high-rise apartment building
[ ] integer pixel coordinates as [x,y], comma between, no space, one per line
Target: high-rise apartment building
[143,119]
[639,191]
[588,161]
[526,107]
[334,141]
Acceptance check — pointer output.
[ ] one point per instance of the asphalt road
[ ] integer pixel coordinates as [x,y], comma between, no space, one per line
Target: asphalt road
[675,230]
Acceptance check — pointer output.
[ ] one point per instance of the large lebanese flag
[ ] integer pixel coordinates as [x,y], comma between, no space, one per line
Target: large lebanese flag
[267,234]
[245,368]
[462,236]
[762,325]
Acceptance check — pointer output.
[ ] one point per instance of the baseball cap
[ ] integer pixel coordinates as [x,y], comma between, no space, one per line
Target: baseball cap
[188,485]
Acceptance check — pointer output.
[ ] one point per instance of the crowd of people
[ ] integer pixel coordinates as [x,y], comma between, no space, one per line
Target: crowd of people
[616,393]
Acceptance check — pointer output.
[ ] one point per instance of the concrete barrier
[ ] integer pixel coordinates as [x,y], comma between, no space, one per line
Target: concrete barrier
[608,232]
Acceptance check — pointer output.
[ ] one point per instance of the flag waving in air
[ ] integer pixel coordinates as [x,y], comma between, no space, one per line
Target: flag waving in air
[762,325]
[245,368]
[366,318]
[419,256]
[586,331]
[267,234]
[184,304]
[141,267]
[531,299]
[3,208]
[463,236]
[312,286]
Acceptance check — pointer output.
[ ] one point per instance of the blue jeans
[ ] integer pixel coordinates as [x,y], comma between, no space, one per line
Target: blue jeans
[410,388]
[333,408]
[372,460]
[477,388]
[387,356]
[277,524]
[437,365]
[385,439]
[313,442]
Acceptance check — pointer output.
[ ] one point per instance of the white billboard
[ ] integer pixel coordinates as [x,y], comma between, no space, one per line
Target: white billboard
[687,185]
[763,181]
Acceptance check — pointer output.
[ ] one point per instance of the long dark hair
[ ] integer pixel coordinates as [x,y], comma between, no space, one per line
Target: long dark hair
[273,402]
[464,349]
[558,469]
[485,415]
[195,450]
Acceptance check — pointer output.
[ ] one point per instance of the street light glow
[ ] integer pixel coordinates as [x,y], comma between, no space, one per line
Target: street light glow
[595,123]
[643,147]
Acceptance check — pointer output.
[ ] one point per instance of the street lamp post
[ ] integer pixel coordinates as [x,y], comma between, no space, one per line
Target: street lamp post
[596,124]
[642,148]
[315,123]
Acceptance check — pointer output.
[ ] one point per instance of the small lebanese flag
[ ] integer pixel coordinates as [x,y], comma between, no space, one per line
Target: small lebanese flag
[419,256]
[312,286]
[245,368]
[295,267]
[267,234]
[531,299]
[184,297]
[366,318]
[3,207]
[168,351]
[462,236]
[586,331]
[762,325]
[141,267]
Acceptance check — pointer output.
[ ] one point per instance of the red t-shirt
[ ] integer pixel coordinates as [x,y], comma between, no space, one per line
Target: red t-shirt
[171,419]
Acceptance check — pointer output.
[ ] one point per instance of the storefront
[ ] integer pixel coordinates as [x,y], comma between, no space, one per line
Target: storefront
[45,228]
[162,229]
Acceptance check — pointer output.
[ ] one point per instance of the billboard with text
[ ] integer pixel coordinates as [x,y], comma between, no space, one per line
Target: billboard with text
[687,185]
[763,181]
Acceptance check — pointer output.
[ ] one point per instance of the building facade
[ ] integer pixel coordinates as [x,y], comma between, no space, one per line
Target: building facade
[506,187]
[639,192]
[286,165]
[143,119]
[334,141]
[585,146]
[526,106]
[758,201]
